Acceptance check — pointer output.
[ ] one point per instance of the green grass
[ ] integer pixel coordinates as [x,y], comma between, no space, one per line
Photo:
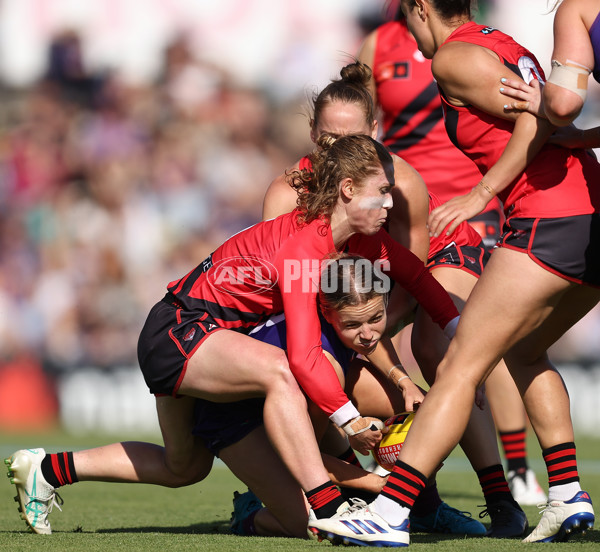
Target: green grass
[109,516]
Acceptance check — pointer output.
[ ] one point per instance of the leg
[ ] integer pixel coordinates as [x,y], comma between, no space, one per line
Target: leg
[511,421]
[479,441]
[429,347]
[231,366]
[182,461]
[254,462]
[501,311]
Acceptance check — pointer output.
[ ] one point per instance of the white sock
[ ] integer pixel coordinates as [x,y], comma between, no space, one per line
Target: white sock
[564,492]
[389,510]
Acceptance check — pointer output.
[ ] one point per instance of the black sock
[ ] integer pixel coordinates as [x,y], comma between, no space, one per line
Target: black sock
[350,457]
[427,502]
[325,500]
[494,485]
[514,446]
[59,469]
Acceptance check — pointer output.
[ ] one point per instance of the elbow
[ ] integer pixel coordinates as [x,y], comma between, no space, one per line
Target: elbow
[561,106]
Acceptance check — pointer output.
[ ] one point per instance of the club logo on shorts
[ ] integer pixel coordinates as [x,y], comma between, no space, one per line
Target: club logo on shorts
[190,335]
[243,275]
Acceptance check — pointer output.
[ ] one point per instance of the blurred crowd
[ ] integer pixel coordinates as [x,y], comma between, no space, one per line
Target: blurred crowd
[109,190]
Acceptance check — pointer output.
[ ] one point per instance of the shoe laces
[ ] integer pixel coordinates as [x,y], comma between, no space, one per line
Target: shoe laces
[499,515]
[36,504]
[356,505]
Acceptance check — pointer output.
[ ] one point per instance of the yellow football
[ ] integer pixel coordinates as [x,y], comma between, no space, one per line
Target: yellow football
[386,453]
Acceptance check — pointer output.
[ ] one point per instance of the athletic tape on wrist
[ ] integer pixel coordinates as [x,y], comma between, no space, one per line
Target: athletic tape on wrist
[360,425]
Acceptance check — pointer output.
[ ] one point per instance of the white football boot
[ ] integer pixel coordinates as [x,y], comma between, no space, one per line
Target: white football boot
[525,488]
[561,519]
[360,526]
[36,497]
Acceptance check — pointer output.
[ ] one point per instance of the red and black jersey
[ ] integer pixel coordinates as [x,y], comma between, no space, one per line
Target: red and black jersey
[558,182]
[275,266]
[413,125]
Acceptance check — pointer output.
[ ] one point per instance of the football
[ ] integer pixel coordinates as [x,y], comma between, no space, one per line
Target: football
[386,452]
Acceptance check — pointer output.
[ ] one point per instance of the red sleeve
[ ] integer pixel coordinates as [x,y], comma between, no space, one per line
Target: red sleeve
[311,368]
[409,271]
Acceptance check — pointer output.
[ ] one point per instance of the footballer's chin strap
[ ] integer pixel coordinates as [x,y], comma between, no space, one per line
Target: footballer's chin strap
[360,425]
[571,75]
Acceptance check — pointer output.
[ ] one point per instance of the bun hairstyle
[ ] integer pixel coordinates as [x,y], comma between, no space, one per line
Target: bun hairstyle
[354,156]
[352,87]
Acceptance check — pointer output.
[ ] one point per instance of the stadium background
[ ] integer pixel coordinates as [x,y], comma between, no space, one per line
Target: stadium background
[135,136]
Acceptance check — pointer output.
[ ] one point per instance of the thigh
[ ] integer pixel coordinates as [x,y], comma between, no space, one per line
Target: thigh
[429,344]
[229,366]
[576,302]
[512,298]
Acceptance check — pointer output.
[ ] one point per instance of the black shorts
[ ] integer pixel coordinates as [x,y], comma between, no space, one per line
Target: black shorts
[568,246]
[488,225]
[222,424]
[469,258]
[167,341]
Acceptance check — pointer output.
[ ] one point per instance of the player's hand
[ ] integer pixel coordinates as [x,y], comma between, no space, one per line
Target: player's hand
[366,441]
[448,216]
[413,395]
[364,433]
[523,96]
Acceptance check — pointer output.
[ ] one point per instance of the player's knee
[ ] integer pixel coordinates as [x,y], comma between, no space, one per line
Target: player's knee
[279,374]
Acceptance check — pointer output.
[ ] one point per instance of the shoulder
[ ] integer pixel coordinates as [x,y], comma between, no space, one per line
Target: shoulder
[280,197]
[449,62]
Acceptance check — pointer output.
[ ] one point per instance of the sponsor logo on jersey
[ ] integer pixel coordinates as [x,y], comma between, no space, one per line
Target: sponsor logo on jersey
[397,70]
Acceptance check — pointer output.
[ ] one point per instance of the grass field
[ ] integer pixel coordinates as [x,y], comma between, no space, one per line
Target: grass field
[108,516]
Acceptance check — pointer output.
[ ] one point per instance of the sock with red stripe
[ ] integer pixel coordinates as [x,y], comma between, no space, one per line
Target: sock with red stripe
[514,446]
[563,477]
[494,485]
[399,494]
[325,500]
[59,469]
[350,457]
